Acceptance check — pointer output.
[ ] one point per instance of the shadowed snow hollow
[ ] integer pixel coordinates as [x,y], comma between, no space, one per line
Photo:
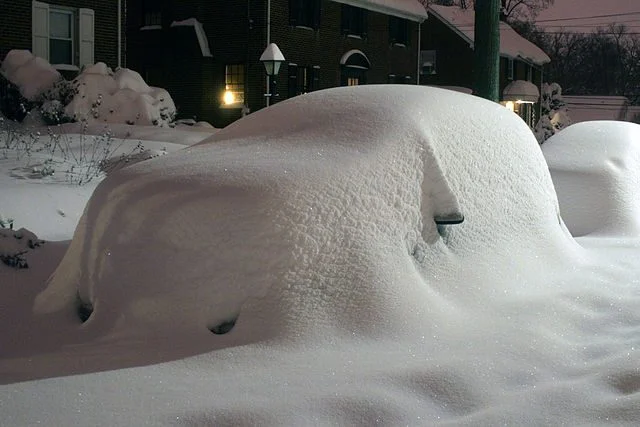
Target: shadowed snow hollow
[315,217]
[595,168]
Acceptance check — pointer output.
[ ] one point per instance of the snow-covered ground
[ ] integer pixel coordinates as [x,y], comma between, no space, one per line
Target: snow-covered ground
[289,271]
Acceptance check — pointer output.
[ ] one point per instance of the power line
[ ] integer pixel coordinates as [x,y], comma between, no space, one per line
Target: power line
[611,15]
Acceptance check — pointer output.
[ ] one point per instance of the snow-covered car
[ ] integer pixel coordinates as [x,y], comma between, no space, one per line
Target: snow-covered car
[290,270]
[595,167]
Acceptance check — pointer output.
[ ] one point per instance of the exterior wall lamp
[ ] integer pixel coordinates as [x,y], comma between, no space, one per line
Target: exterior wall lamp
[272,58]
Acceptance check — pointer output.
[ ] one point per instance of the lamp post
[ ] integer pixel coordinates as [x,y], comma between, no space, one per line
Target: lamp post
[272,58]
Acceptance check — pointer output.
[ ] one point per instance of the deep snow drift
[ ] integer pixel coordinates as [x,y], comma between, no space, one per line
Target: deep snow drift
[595,167]
[303,237]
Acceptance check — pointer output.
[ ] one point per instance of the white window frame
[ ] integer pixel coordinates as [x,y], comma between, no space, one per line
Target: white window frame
[82,34]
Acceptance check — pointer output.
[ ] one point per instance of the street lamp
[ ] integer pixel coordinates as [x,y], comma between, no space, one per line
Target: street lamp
[272,58]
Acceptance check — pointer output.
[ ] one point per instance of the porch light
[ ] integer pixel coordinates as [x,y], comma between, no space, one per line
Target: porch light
[229,98]
[510,105]
[272,58]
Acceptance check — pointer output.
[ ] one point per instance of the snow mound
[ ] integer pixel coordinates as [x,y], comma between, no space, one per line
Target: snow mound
[120,97]
[31,74]
[595,168]
[304,220]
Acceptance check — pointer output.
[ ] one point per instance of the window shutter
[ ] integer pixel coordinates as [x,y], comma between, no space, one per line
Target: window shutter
[40,30]
[364,23]
[392,29]
[345,12]
[293,80]
[294,10]
[316,14]
[86,36]
[315,78]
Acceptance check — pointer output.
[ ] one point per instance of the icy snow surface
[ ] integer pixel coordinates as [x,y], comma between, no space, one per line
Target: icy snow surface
[596,171]
[310,224]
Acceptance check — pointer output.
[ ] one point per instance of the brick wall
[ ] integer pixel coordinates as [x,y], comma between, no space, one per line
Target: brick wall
[237,34]
[15,26]
[454,56]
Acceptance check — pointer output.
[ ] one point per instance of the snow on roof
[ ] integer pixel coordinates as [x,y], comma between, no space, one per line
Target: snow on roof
[412,10]
[583,108]
[200,33]
[512,44]
[595,168]
[521,90]
[31,74]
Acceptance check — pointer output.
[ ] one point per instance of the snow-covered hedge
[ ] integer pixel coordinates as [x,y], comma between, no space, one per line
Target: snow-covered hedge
[555,114]
[96,95]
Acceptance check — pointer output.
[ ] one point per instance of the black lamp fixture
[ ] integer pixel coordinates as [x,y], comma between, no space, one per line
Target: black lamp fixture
[272,58]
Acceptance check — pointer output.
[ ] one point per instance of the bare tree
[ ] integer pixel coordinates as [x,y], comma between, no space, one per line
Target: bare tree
[523,10]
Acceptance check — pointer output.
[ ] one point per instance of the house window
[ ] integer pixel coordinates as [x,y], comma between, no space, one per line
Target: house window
[529,73]
[354,66]
[304,13]
[61,31]
[303,79]
[151,13]
[354,21]
[398,31]
[63,36]
[353,76]
[428,62]
[234,86]
[510,66]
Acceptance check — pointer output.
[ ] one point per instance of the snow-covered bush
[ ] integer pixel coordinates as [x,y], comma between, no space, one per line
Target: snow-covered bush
[97,94]
[14,244]
[121,97]
[26,79]
[555,116]
[54,100]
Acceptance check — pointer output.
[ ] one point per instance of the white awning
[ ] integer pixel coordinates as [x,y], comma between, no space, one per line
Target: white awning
[521,90]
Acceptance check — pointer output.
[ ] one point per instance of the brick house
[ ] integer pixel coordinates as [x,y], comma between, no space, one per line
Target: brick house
[67,33]
[206,53]
[446,59]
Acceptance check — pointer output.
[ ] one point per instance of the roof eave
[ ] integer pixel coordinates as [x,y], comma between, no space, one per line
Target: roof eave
[375,7]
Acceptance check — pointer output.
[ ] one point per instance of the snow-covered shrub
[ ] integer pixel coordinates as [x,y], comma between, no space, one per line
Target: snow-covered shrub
[555,115]
[13,105]
[97,94]
[54,101]
[121,97]
[15,244]
[31,74]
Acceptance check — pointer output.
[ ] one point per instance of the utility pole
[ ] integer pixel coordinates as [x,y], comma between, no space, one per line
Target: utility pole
[486,64]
